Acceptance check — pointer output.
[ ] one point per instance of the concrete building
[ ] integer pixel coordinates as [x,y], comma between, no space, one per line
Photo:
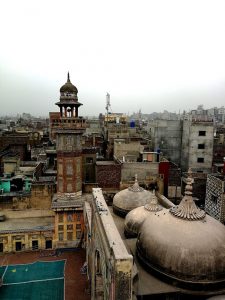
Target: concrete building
[127,151]
[93,126]
[16,143]
[188,143]
[118,128]
[197,144]
[166,135]
[219,148]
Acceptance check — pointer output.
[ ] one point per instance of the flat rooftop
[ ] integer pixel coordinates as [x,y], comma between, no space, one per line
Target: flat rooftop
[69,200]
[76,284]
[105,163]
[14,225]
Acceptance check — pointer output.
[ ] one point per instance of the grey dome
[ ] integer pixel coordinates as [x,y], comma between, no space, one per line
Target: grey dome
[136,217]
[184,244]
[130,198]
[68,87]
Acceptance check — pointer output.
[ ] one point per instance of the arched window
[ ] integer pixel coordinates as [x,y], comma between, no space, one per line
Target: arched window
[98,263]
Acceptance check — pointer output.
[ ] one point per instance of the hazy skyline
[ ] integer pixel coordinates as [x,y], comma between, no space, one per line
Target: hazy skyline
[149,55]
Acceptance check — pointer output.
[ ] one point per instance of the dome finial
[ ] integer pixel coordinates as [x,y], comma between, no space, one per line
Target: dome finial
[136,178]
[187,208]
[190,180]
[153,204]
[135,187]
[68,77]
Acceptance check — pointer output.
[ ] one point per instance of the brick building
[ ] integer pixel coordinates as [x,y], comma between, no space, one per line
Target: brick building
[215,197]
[219,149]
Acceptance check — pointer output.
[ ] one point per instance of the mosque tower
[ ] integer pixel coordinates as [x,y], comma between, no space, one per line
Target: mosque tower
[68,141]
[68,129]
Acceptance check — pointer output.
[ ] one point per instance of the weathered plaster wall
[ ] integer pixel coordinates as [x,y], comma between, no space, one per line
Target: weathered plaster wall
[109,264]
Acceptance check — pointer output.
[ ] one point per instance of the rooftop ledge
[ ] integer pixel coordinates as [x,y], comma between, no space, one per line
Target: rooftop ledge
[110,230]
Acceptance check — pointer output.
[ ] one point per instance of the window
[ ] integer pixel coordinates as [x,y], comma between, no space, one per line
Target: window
[61,236]
[34,245]
[78,231]
[48,244]
[200,160]
[18,246]
[78,234]
[60,218]
[60,228]
[70,227]
[201,146]
[89,160]
[214,198]
[69,236]
[202,133]
[78,226]
[98,262]
[78,217]
[69,217]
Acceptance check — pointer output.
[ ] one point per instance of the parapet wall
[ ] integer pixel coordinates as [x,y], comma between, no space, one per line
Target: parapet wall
[109,263]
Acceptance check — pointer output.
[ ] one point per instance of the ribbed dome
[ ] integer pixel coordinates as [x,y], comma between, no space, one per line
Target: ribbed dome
[68,87]
[130,198]
[184,244]
[136,217]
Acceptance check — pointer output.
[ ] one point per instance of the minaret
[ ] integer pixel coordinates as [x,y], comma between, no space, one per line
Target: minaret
[70,128]
[67,203]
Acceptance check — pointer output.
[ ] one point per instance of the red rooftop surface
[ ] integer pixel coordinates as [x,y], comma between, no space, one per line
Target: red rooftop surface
[76,284]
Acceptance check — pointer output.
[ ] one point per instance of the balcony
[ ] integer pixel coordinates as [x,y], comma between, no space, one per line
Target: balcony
[71,123]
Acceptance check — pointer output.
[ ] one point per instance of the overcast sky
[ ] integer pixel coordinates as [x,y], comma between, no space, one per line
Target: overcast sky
[149,55]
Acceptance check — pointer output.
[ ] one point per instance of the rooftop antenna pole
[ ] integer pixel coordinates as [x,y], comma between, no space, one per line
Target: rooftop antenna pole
[108,105]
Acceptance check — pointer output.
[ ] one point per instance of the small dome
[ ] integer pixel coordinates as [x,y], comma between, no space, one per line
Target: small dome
[130,198]
[184,245]
[68,87]
[136,217]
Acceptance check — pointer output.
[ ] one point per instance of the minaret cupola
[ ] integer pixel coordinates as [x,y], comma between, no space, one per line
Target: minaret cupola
[68,103]
[68,89]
